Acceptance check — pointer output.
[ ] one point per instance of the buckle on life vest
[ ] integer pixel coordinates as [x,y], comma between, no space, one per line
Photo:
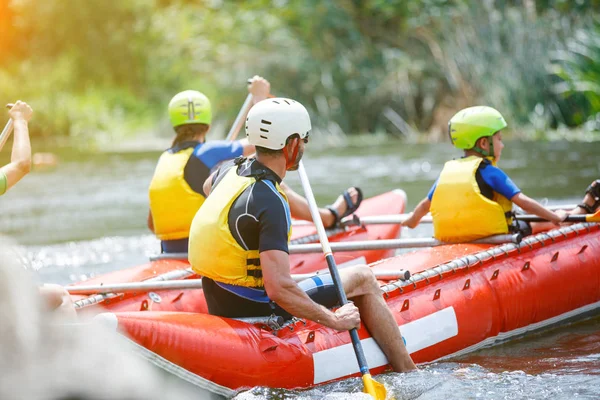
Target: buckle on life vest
[260,175]
[253,261]
[255,273]
[239,160]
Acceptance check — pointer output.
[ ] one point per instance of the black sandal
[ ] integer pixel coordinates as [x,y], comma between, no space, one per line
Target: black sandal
[594,191]
[350,206]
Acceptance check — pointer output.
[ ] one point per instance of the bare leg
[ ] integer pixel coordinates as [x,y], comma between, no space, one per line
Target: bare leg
[362,287]
[58,300]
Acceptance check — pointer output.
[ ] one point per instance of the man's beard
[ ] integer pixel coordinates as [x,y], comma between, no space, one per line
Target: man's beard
[296,164]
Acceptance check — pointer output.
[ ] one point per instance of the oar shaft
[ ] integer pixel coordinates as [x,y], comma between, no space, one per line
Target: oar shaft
[314,211]
[535,218]
[386,219]
[8,128]
[364,245]
[138,287]
[391,244]
[337,281]
[239,120]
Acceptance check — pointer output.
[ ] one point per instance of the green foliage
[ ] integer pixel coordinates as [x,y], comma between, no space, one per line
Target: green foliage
[578,66]
[96,70]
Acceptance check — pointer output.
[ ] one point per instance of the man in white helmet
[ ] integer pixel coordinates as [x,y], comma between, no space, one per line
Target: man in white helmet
[239,241]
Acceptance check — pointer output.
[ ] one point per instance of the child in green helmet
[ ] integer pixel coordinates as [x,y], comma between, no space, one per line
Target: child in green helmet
[472,198]
[177,190]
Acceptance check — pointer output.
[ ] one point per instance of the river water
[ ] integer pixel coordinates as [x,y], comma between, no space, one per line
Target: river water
[87,216]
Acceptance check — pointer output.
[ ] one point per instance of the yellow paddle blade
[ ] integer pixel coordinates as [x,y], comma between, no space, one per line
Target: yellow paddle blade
[593,217]
[374,388]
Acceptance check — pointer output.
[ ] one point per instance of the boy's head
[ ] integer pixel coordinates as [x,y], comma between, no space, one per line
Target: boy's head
[279,127]
[190,114]
[477,129]
[189,107]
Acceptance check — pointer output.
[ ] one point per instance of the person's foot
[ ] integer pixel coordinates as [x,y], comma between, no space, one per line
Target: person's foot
[340,204]
[347,203]
[591,200]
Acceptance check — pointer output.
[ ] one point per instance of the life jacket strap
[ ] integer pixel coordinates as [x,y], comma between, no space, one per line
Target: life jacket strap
[255,273]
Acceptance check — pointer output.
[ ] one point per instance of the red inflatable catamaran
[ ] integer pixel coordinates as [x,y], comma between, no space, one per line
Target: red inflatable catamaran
[460,298]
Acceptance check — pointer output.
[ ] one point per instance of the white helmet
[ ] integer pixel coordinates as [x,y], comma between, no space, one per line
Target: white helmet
[271,121]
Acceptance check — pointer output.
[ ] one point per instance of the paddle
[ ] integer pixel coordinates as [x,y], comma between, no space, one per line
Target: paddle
[138,287]
[400,218]
[372,387]
[382,244]
[7,129]
[239,120]
[570,218]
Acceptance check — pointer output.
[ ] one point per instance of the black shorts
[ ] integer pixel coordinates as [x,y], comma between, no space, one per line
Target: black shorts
[223,301]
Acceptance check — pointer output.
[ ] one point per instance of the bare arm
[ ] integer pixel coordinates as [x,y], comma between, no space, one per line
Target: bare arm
[418,213]
[300,210]
[150,221]
[249,149]
[282,289]
[259,88]
[20,160]
[533,207]
[207,186]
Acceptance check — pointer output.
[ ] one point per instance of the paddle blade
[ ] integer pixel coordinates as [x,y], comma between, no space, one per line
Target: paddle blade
[593,217]
[374,388]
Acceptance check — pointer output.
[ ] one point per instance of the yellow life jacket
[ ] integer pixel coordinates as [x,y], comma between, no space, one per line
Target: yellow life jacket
[213,251]
[460,212]
[173,202]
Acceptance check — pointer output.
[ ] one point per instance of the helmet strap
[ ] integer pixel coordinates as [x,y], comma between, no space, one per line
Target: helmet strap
[490,152]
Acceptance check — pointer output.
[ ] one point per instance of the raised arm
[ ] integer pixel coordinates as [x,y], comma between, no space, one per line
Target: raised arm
[259,88]
[20,160]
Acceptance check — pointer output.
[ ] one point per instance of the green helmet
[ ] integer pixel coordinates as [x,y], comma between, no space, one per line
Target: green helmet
[189,107]
[472,123]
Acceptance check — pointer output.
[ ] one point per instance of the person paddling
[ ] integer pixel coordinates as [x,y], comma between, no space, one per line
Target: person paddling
[239,241]
[55,297]
[472,198]
[175,191]
[20,160]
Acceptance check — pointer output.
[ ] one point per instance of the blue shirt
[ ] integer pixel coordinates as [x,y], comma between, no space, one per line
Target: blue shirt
[490,179]
[204,158]
[216,151]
